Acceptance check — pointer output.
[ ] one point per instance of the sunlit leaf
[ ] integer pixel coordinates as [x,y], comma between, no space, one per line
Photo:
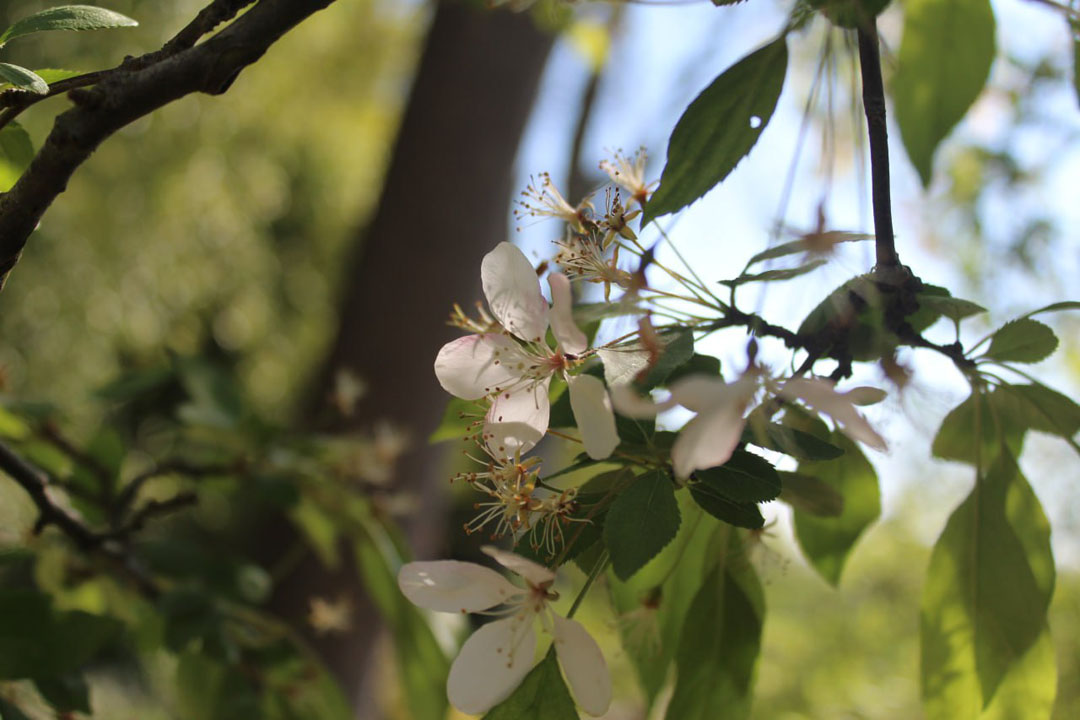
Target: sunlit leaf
[718,651]
[945,56]
[984,604]
[542,695]
[23,78]
[15,146]
[719,128]
[778,274]
[1023,340]
[809,243]
[67,17]
[643,519]
[827,540]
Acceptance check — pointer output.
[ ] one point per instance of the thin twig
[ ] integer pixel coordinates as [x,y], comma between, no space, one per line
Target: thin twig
[873,92]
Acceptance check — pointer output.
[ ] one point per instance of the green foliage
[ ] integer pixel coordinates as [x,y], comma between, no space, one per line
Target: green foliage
[66,17]
[953,308]
[542,695]
[22,78]
[715,665]
[719,128]
[678,350]
[643,519]
[827,539]
[745,478]
[945,57]
[1024,340]
[778,274]
[811,495]
[797,443]
[851,13]
[984,605]
[713,501]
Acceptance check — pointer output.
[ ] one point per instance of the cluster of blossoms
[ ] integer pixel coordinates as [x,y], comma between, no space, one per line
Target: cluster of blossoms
[515,350]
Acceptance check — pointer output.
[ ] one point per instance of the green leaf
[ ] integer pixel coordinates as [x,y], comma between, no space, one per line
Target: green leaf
[811,495]
[23,79]
[653,604]
[66,693]
[15,146]
[678,350]
[36,641]
[827,540]
[715,664]
[945,57]
[719,128]
[953,308]
[745,478]
[696,365]
[794,442]
[51,75]
[1023,340]
[422,666]
[778,274]
[67,17]
[984,603]
[542,695]
[459,421]
[809,243]
[642,520]
[721,507]
[1056,307]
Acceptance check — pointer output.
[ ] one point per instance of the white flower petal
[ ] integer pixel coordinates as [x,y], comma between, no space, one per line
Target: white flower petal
[866,395]
[513,292]
[583,665]
[708,440]
[622,364]
[821,395]
[517,420]
[491,664]
[595,419]
[567,333]
[454,586]
[535,574]
[632,404]
[701,393]
[476,365]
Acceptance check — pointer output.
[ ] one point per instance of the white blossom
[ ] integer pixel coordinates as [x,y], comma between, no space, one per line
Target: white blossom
[496,658]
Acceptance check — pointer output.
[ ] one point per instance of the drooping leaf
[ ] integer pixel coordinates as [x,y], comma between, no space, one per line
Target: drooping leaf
[22,78]
[811,495]
[827,540]
[810,243]
[778,274]
[945,56]
[1024,340]
[984,604]
[719,128]
[953,308]
[67,17]
[542,695]
[721,507]
[745,478]
[1056,307]
[715,669]
[643,519]
[653,604]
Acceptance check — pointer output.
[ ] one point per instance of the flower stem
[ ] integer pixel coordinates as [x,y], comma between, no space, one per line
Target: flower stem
[873,93]
[601,563]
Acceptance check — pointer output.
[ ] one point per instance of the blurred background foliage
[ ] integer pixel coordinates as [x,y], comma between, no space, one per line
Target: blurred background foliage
[219,227]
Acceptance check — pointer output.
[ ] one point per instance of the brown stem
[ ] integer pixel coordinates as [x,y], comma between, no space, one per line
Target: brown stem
[873,93]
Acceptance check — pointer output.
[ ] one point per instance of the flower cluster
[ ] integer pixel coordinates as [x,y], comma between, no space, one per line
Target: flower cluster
[519,351]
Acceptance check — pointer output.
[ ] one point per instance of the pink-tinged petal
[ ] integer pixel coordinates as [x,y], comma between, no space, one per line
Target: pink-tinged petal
[535,574]
[475,365]
[517,420]
[454,586]
[632,404]
[583,665]
[708,440]
[821,395]
[491,664]
[567,333]
[595,419]
[701,393]
[513,292]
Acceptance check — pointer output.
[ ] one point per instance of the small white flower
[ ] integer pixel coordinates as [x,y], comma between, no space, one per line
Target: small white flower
[496,658]
[543,199]
[629,174]
[710,438]
[821,395]
[515,370]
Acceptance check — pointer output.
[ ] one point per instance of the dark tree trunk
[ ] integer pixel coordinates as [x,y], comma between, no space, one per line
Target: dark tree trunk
[444,204]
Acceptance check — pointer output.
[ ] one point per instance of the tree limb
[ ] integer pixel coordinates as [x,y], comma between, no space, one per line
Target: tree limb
[136,88]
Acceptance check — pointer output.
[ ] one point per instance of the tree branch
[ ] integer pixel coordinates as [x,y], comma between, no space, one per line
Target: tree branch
[873,93]
[136,88]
